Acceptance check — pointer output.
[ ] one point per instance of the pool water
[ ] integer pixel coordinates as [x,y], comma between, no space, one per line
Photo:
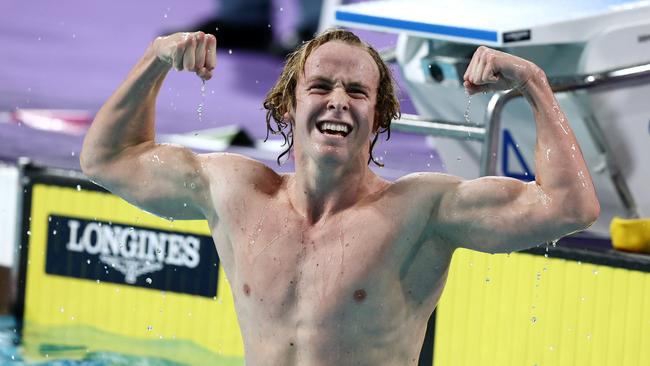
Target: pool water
[54,355]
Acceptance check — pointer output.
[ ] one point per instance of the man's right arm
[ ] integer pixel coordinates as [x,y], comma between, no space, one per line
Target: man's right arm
[119,151]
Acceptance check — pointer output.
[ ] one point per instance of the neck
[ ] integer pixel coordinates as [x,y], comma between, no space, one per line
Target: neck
[318,191]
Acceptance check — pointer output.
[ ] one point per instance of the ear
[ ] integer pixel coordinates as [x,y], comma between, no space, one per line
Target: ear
[288,116]
[375,122]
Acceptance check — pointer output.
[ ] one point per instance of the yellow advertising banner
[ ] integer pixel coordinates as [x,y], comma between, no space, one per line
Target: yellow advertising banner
[105,276]
[524,309]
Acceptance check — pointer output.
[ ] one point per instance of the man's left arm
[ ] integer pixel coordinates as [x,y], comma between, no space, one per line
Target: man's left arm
[499,214]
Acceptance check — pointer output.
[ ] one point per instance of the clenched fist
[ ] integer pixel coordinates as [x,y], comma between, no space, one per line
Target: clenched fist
[188,51]
[492,70]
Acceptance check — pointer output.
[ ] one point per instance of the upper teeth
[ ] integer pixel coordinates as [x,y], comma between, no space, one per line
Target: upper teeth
[335,127]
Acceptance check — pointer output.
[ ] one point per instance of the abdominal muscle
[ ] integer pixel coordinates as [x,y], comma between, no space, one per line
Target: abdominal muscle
[337,292]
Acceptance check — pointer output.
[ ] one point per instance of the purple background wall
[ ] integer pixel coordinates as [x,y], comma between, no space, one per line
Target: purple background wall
[72,54]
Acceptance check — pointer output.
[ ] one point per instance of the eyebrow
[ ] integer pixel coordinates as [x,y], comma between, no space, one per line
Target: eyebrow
[350,85]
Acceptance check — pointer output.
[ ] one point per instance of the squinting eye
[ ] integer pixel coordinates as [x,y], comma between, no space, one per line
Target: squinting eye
[318,88]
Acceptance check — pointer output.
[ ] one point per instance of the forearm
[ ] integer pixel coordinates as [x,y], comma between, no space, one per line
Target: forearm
[127,117]
[561,171]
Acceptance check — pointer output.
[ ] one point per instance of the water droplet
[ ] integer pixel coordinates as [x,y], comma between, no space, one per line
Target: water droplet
[199,111]
[230,52]
[53,232]
[595,272]
[62,310]
[98,281]
[469,102]
[149,328]
[72,153]
[29,233]
[487,279]
[533,320]
[148,280]
[78,187]
[165,15]
[87,261]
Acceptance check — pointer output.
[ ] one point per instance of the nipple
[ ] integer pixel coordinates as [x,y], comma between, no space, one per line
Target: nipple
[359,295]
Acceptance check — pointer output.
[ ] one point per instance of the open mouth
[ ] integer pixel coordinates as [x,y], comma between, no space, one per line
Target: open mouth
[334,128]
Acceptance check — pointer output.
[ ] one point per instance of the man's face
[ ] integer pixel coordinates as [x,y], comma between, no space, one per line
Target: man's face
[335,103]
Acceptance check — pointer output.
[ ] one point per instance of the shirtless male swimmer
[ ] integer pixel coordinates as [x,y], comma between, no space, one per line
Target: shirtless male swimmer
[332,265]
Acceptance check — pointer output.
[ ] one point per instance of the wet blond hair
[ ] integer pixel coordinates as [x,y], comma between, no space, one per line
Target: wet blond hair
[283,93]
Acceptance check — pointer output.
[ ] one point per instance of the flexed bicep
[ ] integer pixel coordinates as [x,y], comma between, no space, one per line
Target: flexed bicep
[166,180]
[499,215]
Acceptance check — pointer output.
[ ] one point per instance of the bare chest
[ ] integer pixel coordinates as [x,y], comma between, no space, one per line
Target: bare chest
[350,269]
[281,263]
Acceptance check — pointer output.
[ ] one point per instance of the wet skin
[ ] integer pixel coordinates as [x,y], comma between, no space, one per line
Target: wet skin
[333,265]
[344,270]
[355,288]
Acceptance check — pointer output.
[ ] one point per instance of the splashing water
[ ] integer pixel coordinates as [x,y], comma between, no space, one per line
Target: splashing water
[199,109]
[466,114]
[469,103]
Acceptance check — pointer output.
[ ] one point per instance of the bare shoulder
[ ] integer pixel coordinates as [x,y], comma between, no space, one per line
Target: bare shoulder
[234,170]
[421,193]
[425,185]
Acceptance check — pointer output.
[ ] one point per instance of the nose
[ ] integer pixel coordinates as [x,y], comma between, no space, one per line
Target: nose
[339,100]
